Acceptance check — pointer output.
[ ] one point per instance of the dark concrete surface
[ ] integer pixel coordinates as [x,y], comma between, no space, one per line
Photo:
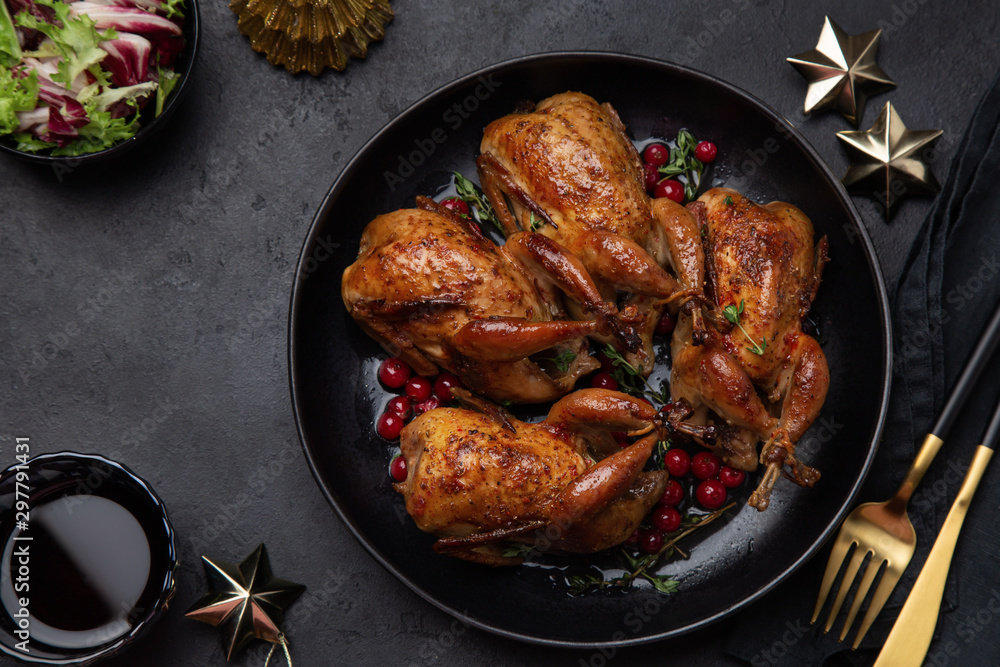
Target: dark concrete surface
[144,304]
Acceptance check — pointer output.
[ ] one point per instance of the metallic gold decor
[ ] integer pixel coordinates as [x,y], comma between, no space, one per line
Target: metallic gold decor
[842,71]
[246,600]
[311,35]
[889,161]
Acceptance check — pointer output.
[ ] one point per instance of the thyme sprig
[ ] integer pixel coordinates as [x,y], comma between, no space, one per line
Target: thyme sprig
[638,566]
[683,163]
[732,314]
[629,377]
[562,360]
[534,223]
[471,195]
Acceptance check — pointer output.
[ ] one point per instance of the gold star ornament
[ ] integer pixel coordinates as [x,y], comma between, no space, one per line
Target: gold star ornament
[247,600]
[842,71]
[889,161]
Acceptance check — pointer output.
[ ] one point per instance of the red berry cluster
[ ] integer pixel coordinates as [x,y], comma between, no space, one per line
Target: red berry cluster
[711,481]
[656,155]
[420,395]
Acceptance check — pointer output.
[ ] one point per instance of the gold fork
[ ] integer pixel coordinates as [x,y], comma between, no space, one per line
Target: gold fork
[883,530]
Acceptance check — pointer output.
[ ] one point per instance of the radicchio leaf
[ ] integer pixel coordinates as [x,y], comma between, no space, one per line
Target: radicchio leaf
[127,19]
[127,59]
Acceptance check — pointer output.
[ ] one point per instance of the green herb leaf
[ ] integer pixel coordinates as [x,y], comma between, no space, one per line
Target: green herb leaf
[728,201]
[684,165]
[534,223]
[732,313]
[629,377]
[581,583]
[562,360]
[470,195]
[662,583]
[518,551]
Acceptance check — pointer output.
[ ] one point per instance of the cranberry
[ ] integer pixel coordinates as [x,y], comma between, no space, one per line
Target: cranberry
[670,188]
[621,437]
[677,462]
[651,541]
[398,468]
[426,406]
[711,494]
[666,519]
[673,493]
[418,388]
[457,205]
[399,405]
[656,154]
[603,380]
[652,176]
[705,151]
[666,325]
[394,372]
[444,384]
[705,465]
[633,539]
[389,425]
[731,477]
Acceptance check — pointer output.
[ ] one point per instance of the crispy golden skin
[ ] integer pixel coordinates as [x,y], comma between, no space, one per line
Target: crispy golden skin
[569,165]
[764,258]
[481,480]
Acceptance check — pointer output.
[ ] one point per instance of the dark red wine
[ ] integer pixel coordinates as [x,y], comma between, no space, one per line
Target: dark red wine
[90,563]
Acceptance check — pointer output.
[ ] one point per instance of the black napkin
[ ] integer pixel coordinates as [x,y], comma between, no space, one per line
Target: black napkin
[947,293]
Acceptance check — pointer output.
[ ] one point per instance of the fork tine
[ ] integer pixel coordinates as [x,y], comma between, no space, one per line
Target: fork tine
[882,593]
[837,557]
[850,573]
[861,594]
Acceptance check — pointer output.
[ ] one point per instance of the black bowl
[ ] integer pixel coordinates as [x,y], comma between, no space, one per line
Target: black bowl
[149,123]
[64,479]
[336,394]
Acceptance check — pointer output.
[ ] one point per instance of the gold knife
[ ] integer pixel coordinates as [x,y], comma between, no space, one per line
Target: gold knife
[911,635]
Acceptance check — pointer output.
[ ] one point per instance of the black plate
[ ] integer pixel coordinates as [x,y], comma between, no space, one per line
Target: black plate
[336,394]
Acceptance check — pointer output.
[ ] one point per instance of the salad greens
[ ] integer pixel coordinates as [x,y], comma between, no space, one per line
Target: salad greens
[75,73]
[10,47]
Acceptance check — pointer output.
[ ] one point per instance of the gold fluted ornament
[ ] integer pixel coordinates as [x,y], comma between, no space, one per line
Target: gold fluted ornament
[311,35]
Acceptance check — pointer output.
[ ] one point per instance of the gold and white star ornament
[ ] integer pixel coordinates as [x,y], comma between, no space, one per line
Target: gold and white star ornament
[889,161]
[245,600]
[842,71]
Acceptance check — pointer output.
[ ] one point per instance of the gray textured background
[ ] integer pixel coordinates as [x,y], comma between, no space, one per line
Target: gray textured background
[144,304]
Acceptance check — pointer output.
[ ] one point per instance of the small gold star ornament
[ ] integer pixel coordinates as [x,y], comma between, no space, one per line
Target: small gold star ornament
[842,71]
[247,601]
[889,161]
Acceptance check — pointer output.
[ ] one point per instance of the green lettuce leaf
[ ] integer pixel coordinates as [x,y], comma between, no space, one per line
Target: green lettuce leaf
[76,40]
[101,132]
[168,80]
[29,143]
[103,100]
[10,48]
[16,94]
[174,8]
